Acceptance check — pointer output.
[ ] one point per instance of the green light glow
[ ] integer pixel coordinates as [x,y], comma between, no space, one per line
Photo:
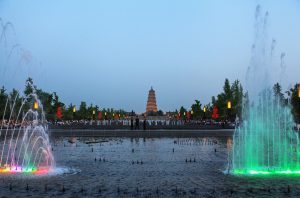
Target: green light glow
[265,143]
[266,172]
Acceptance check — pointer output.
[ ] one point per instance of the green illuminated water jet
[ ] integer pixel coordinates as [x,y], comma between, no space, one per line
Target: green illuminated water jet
[265,142]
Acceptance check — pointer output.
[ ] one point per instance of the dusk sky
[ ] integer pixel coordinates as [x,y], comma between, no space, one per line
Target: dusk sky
[110,53]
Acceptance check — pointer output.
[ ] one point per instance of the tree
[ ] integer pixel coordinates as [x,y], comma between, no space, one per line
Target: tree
[160,113]
[197,110]
[182,112]
[3,100]
[227,89]
[295,102]
[237,98]
[29,87]
[15,103]
[279,96]
[234,94]
[82,113]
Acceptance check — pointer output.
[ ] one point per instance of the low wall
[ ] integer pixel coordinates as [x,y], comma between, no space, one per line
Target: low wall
[141,133]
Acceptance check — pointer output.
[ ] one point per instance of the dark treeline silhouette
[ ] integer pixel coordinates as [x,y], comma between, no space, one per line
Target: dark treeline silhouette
[225,106]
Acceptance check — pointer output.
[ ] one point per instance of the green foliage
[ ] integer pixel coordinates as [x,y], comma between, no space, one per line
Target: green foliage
[295,102]
[51,102]
[3,100]
[279,96]
[197,110]
[235,95]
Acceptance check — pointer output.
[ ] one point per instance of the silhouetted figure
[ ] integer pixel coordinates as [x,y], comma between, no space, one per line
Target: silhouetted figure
[63,188]
[131,123]
[137,123]
[144,124]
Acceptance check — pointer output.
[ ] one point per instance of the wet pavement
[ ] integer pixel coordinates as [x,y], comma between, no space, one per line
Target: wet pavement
[144,167]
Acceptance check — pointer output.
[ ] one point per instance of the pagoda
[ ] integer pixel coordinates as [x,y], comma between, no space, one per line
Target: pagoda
[151,103]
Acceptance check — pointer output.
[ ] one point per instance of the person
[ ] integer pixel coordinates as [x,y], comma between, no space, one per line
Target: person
[131,123]
[137,123]
[144,123]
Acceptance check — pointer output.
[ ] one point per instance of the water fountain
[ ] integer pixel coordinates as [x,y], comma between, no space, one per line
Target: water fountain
[25,146]
[265,143]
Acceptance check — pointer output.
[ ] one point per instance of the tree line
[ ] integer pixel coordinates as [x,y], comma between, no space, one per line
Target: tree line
[228,104]
[53,107]
[225,106]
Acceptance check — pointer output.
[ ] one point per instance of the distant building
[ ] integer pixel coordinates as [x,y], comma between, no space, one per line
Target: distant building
[151,103]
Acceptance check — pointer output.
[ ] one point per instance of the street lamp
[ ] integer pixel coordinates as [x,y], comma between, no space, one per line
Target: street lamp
[298,91]
[204,110]
[229,108]
[229,105]
[74,111]
[36,105]
[93,117]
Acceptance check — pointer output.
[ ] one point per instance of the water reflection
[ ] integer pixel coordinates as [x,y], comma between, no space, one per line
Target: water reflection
[167,167]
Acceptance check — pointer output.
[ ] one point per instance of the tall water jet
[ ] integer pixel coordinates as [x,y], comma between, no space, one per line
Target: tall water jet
[25,145]
[265,142]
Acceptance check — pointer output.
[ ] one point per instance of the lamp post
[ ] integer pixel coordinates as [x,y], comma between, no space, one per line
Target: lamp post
[229,109]
[74,111]
[35,105]
[93,117]
[204,111]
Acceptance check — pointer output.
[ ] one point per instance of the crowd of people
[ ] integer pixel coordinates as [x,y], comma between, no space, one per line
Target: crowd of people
[141,123]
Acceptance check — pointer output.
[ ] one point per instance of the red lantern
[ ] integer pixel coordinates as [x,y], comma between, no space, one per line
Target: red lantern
[59,113]
[215,113]
[100,115]
[188,115]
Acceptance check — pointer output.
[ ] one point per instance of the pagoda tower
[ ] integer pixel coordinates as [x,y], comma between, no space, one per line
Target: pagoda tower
[151,103]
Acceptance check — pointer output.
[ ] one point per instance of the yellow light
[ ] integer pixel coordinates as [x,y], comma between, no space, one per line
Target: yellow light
[298,91]
[36,105]
[204,109]
[228,105]
[192,112]
[74,109]
[105,113]
[184,113]
[94,112]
